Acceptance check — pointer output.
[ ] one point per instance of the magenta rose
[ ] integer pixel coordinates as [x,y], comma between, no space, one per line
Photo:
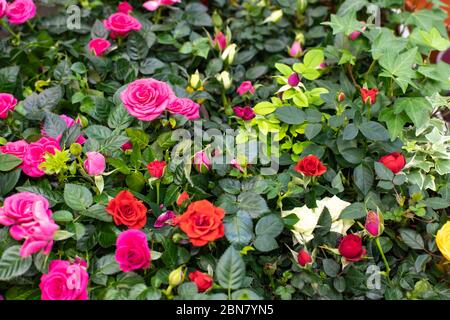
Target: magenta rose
[132,251]
[38,234]
[65,281]
[245,113]
[94,164]
[121,23]
[20,11]
[17,148]
[245,87]
[35,156]
[7,103]
[146,99]
[99,46]
[3,8]
[185,107]
[17,208]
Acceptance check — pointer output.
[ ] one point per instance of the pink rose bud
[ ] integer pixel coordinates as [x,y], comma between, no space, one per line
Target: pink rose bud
[99,46]
[296,49]
[245,113]
[341,96]
[153,5]
[94,164]
[7,104]
[202,162]
[322,66]
[124,7]
[127,146]
[355,34]
[164,219]
[245,87]
[303,257]
[220,41]
[293,79]
[374,223]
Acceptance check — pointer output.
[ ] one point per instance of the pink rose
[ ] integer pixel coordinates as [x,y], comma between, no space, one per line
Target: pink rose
[3,8]
[17,148]
[146,99]
[152,5]
[65,281]
[17,208]
[7,103]
[202,162]
[245,87]
[220,41]
[164,219]
[245,113]
[132,251]
[20,11]
[121,23]
[184,106]
[94,164]
[295,50]
[38,233]
[35,156]
[124,7]
[99,46]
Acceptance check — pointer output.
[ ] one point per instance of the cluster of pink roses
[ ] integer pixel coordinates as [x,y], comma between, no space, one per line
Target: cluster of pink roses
[7,104]
[18,11]
[30,218]
[32,154]
[146,99]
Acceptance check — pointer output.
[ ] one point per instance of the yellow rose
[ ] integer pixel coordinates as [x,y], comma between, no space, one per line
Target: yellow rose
[443,240]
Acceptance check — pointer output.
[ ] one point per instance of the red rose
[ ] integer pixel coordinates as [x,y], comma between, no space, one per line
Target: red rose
[310,166]
[202,280]
[303,258]
[156,168]
[394,161]
[127,210]
[182,197]
[367,94]
[350,247]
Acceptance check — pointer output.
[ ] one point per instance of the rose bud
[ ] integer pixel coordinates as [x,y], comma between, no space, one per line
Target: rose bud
[310,166]
[156,168]
[369,95]
[164,219]
[176,277]
[374,223]
[76,149]
[127,146]
[245,87]
[245,113]
[202,280]
[394,161]
[295,51]
[182,197]
[355,34]
[220,41]
[293,79]
[341,96]
[94,164]
[202,162]
[99,46]
[350,247]
[303,257]
[124,7]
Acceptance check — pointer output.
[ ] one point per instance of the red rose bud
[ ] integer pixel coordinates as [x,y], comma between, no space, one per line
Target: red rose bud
[182,197]
[350,247]
[293,79]
[303,257]
[341,96]
[156,168]
[202,162]
[369,95]
[394,161]
[245,113]
[127,146]
[374,223]
[202,280]
[310,166]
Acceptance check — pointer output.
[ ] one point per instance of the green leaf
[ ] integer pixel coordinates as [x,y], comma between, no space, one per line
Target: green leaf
[394,122]
[12,264]
[350,132]
[8,162]
[383,172]
[97,211]
[107,265]
[230,270]
[8,181]
[437,203]
[363,177]
[77,197]
[284,69]
[356,210]
[252,203]
[374,131]
[62,216]
[271,225]
[232,186]
[387,41]
[312,130]
[290,115]
[331,267]
[119,118]
[239,228]
[137,47]
[62,235]
[412,239]
[313,58]
[264,108]
[399,67]
[54,125]
[265,243]
[345,24]
[418,110]
[256,72]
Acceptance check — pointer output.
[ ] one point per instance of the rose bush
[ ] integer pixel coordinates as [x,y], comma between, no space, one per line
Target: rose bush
[224,150]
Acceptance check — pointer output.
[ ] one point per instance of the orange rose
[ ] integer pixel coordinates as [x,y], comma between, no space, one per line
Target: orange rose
[202,222]
[127,210]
